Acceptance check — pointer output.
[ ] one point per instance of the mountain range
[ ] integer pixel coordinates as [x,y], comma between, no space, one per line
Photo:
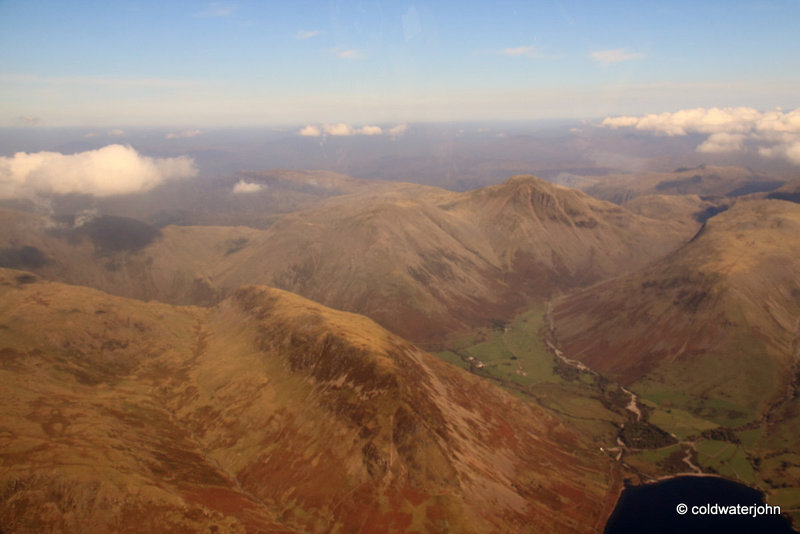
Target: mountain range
[256,362]
[422,261]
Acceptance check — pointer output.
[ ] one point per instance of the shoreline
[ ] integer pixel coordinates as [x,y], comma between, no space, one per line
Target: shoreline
[692,474]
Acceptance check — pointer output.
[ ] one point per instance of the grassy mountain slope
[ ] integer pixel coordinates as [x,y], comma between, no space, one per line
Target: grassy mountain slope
[716,319]
[264,413]
[709,338]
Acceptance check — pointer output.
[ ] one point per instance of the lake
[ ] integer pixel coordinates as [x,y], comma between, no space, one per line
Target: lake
[706,503]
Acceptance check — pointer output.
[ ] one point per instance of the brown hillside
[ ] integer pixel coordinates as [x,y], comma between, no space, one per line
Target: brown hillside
[265,413]
[423,262]
[717,320]
[419,260]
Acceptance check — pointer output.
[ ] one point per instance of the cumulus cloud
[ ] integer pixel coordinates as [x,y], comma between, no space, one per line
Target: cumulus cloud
[343,129]
[699,120]
[780,122]
[615,55]
[789,150]
[310,131]
[773,133]
[307,34]
[397,131]
[371,130]
[184,134]
[620,122]
[340,129]
[722,142]
[111,170]
[243,187]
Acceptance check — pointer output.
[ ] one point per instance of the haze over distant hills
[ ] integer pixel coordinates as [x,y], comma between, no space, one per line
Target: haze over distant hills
[455,156]
[704,180]
[422,261]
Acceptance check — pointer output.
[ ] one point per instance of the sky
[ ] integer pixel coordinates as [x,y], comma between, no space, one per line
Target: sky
[194,65]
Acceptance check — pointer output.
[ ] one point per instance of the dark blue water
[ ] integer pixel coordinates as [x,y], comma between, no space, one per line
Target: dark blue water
[653,508]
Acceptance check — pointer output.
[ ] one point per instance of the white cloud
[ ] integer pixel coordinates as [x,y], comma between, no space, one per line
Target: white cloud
[518,51]
[310,131]
[620,122]
[722,142]
[111,170]
[615,55]
[184,134]
[243,187]
[707,120]
[343,130]
[370,130]
[116,133]
[778,121]
[789,150]
[397,131]
[340,129]
[307,34]
[792,152]
[348,54]
[774,133]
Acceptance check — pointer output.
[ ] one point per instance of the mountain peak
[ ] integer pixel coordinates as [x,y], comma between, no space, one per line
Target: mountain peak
[525,197]
[527,179]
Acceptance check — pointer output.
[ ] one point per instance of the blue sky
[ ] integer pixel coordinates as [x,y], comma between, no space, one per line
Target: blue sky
[200,64]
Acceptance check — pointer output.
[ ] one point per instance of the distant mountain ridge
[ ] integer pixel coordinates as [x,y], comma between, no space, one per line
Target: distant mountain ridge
[420,260]
[704,180]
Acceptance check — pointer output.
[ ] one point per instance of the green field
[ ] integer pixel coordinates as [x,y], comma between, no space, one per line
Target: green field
[650,461]
[727,459]
[515,356]
[516,352]
[678,422]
